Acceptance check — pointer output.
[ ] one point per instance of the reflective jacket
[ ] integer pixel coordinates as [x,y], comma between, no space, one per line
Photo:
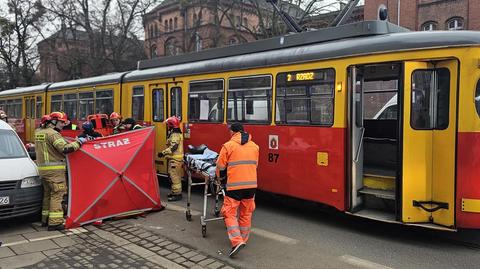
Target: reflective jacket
[51,148]
[174,150]
[239,157]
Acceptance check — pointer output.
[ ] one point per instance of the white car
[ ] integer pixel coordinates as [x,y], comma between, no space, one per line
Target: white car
[20,185]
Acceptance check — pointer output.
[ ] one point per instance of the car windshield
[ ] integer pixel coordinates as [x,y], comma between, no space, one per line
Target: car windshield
[10,145]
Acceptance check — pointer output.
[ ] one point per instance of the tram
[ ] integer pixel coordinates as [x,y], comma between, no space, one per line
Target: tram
[368,118]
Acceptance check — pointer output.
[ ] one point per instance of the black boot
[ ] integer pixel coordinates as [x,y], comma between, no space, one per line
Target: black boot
[59,227]
[175,197]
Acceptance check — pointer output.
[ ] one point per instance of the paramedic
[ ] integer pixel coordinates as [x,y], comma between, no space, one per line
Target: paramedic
[174,155]
[50,149]
[238,159]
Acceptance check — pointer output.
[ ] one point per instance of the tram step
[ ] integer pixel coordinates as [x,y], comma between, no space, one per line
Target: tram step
[383,194]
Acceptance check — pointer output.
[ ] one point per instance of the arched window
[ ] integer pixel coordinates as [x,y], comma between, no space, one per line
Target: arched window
[245,22]
[430,26]
[175,23]
[153,51]
[232,41]
[166,25]
[455,23]
[170,25]
[151,31]
[171,47]
[156,30]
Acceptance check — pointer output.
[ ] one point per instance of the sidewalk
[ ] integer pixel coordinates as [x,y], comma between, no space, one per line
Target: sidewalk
[115,244]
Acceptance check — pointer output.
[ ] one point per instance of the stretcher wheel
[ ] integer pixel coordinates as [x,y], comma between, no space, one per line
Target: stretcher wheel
[204,230]
[188,215]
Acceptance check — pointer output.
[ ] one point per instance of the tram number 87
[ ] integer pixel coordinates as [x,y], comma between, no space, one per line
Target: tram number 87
[273,157]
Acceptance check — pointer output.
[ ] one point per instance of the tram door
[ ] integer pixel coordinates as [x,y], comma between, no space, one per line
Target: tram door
[429,126]
[29,118]
[166,102]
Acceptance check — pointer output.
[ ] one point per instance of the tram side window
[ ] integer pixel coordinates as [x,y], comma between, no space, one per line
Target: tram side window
[39,106]
[70,104]
[305,97]
[157,97]
[477,98]
[137,103]
[176,102]
[85,105]
[205,101]
[104,102]
[56,103]
[430,99]
[250,99]
[14,108]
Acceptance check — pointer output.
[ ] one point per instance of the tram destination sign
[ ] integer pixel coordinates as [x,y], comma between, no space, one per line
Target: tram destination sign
[306,76]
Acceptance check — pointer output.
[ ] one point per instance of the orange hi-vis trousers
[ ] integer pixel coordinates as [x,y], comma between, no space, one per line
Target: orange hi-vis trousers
[238,230]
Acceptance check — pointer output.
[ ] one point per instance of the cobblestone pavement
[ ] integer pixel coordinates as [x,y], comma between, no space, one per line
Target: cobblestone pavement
[115,244]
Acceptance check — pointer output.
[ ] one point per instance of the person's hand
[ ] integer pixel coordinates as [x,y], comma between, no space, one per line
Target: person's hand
[81,140]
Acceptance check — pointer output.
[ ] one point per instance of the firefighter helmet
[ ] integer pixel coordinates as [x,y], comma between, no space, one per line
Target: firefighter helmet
[115,115]
[59,116]
[45,119]
[173,122]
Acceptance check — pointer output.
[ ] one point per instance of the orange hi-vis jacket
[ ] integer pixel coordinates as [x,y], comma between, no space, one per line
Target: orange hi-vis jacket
[240,157]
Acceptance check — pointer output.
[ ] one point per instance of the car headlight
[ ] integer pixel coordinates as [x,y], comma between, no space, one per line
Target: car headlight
[29,182]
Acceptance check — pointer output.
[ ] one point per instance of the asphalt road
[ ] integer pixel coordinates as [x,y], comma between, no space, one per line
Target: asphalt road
[294,234]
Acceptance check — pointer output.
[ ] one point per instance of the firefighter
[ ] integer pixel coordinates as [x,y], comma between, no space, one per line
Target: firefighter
[130,124]
[174,155]
[50,149]
[238,160]
[88,132]
[116,120]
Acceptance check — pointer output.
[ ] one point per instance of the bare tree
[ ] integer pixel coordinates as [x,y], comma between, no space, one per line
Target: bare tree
[109,33]
[19,32]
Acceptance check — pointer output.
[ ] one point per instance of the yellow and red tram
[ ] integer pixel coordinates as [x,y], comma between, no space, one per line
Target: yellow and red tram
[377,123]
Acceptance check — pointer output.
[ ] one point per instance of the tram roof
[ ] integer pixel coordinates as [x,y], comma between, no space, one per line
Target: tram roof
[358,29]
[327,50]
[24,90]
[93,81]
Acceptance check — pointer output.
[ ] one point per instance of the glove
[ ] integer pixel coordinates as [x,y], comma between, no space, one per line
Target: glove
[81,140]
[161,155]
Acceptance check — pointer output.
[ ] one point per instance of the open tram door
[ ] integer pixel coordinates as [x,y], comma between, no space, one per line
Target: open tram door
[429,140]
[166,102]
[373,144]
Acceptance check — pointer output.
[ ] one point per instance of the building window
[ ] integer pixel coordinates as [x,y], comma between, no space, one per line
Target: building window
[232,41]
[455,24]
[153,51]
[245,22]
[170,25]
[166,25]
[175,23]
[156,30]
[429,26]
[171,47]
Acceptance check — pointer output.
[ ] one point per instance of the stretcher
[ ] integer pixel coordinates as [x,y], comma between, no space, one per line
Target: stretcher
[200,162]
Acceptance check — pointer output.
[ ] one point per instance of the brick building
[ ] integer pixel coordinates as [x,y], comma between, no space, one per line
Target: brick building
[176,27]
[424,15]
[66,55]
[324,20]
